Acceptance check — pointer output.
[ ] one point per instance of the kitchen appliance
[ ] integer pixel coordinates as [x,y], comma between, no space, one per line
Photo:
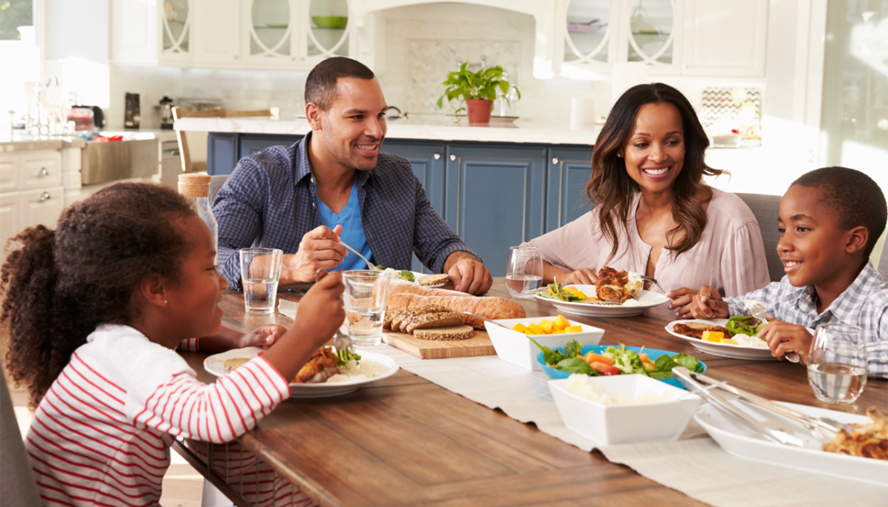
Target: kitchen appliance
[86,117]
[166,113]
[132,117]
[103,162]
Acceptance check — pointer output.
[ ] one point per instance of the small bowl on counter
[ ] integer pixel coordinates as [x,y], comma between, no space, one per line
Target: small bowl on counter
[514,347]
[596,408]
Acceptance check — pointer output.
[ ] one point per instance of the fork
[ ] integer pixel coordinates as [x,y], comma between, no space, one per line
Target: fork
[653,281]
[371,266]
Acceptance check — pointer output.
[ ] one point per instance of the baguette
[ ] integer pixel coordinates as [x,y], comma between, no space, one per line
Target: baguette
[492,308]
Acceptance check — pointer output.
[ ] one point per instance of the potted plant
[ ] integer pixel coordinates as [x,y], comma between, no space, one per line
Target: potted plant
[477,90]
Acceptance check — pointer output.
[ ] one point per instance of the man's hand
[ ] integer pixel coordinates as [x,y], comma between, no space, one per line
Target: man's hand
[784,338]
[705,303]
[319,249]
[467,273]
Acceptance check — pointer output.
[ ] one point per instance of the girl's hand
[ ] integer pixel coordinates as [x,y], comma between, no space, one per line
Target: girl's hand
[783,338]
[262,336]
[321,311]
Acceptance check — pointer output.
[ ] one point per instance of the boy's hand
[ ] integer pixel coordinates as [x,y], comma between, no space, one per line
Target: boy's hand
[262,336]
[321,311]
[784,338]
[705,303]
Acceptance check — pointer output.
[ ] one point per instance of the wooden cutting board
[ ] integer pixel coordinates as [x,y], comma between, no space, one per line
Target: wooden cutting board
[478,345]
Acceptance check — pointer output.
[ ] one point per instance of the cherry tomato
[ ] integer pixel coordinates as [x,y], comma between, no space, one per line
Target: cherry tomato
[611,370]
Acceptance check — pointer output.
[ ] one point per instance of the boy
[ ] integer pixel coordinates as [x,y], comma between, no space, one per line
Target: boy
[829,222]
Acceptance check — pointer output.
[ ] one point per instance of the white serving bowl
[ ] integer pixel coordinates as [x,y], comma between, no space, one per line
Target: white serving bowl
[514,347]
[625,424]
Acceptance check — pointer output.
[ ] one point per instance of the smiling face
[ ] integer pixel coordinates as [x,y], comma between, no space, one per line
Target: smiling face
[813,246]
[655,152]
[194,301]
[351,130]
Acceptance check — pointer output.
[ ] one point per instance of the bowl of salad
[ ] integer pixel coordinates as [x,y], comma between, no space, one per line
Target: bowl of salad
[607,360]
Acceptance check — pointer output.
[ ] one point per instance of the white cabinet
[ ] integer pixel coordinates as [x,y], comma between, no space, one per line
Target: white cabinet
[10,217]
[40,169]
[42,207]
[218,24]
[689,37]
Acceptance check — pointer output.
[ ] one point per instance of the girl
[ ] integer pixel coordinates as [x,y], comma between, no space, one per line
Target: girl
[95,309]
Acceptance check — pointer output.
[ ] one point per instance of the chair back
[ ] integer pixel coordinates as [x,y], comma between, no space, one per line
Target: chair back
[194,155]
[17,485]
[882,265]
[766,209]
[216,182]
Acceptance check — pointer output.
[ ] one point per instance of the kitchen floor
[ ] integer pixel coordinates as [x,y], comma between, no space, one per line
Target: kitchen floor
[182,484]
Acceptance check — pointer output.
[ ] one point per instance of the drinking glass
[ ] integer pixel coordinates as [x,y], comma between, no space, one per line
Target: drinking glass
[366,294]
[837,363]
[260,274]
[524,271]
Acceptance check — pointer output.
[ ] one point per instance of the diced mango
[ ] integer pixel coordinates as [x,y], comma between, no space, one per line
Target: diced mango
[559,331]
[561,322]
[574,329]
[534,329]
[713,336]
[521,328]
[546,326]
[729,340]
[570,288]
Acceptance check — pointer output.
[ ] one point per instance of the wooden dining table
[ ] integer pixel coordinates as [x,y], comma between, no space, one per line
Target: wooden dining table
[405,441]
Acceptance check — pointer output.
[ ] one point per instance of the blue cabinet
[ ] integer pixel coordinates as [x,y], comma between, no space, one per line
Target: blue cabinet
[568,171]
[225,150]
[494,197]
[427,159]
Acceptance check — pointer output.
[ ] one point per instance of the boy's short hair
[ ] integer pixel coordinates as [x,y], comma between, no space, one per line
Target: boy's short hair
[320,86]
[854,196]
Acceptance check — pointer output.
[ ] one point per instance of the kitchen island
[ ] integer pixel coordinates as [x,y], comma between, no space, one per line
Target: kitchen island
[495,186]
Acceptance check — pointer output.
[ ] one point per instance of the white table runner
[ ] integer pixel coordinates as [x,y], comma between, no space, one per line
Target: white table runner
[694,465]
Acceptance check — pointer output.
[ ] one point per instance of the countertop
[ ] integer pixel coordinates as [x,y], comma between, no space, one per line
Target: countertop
[26,142]
[420,126]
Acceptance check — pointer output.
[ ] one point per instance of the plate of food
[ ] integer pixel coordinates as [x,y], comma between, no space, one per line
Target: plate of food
[606,360]
[734,337]
[326,373]
[615,294]
[425,280]
[841,457]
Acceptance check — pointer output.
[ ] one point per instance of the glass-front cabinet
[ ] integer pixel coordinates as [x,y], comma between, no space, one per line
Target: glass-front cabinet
[650,33]
[270,29]
[590,28]
[175,21]
[327,33]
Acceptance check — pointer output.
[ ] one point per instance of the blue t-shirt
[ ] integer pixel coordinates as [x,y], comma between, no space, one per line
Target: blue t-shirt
[352,229]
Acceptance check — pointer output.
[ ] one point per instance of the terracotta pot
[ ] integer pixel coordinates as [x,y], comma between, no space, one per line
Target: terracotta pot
[478,110]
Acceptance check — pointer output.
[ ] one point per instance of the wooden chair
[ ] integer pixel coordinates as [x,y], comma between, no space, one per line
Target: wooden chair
[194,157]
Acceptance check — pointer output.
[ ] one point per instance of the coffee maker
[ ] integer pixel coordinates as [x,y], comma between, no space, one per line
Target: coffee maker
[166,113]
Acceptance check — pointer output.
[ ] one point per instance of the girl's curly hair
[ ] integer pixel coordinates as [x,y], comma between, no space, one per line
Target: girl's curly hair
[57,286]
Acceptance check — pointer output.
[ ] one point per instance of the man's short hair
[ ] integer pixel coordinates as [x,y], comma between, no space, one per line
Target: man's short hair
[320,87]
[853,196]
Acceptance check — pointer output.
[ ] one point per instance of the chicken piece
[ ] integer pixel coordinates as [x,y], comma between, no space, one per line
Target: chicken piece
[319,368]
[612,285]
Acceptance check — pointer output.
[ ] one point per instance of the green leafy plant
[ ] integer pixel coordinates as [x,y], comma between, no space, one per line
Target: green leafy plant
[482,85]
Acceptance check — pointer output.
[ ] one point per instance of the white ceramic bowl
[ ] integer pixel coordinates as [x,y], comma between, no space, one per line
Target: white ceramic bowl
[514,347]
[625,424]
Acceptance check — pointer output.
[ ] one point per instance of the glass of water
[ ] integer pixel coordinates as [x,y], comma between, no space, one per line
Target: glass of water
[837,363]
[260,274]
[366,294]
[524,271]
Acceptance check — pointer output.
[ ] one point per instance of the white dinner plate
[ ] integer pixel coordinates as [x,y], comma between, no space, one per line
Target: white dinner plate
[215,364]
[735,439]
[722,349]
[417,275]
[645,299]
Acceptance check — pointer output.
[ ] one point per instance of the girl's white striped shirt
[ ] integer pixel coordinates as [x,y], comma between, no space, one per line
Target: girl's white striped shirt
[102,433]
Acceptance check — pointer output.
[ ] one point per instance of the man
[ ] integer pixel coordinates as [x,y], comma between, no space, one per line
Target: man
[335,185]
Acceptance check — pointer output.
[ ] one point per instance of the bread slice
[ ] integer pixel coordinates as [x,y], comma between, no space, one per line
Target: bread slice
[463,332]
[389,316]
[429,320]
[433,280]
[235,363]
[399,321]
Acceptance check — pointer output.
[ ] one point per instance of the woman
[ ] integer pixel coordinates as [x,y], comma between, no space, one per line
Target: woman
[653,213]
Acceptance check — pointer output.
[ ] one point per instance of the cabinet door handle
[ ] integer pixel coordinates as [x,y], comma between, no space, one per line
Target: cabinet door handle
[554,160]
[437,156]
[453,158]
[45,197]
[43,172]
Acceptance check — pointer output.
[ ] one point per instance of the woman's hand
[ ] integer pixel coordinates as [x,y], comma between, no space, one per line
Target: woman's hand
[705,303]
[582,276]
[784,338]
[262,336]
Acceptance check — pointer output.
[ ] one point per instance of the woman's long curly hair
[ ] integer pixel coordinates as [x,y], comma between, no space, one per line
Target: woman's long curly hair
[57,286]
[611,188]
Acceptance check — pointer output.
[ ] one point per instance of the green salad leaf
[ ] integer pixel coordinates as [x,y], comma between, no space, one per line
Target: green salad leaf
[549,355]
[345,356]
[572,349]
[744,324]
[575,365]
[407,275]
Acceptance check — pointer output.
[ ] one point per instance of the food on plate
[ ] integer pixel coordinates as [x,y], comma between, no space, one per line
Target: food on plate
[429,280]
[462,332]
[613,285]
[404,274]
[357,370]
[322,365]
[584,387]
[558,326]
[696,329]
[491,308]
[235,363]
[865,440]
[744,324]
[615,361]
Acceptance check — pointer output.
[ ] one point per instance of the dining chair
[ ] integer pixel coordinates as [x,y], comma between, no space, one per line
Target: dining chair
[17,485]
[766,209]
[193,145]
